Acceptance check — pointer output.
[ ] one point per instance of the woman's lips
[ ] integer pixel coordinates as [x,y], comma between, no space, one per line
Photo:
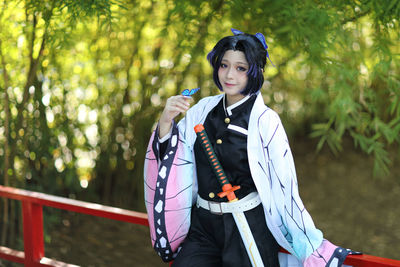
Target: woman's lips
[229,84]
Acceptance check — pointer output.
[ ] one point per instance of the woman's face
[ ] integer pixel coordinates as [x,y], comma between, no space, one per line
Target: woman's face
[232,75]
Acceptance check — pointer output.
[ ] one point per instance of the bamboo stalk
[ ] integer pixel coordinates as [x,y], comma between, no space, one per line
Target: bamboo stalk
[7,154]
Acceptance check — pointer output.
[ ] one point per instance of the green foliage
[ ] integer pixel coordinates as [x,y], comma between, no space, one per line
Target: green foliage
[83,82]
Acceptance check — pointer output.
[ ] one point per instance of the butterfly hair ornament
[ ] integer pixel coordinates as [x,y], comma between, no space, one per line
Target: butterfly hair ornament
[191,92]
[260,37]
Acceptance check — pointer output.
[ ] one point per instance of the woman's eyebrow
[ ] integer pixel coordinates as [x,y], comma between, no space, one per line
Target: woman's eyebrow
[237,62]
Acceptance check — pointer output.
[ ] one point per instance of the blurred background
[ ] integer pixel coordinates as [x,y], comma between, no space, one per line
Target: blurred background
[82,84]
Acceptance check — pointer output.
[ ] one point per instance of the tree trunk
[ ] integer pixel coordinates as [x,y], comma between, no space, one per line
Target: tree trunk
[6,146]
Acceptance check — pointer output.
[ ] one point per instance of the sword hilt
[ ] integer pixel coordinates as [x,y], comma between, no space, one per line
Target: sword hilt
[227,188]
[228,191]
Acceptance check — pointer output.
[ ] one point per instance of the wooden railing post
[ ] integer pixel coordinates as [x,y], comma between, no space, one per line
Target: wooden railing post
[33,232]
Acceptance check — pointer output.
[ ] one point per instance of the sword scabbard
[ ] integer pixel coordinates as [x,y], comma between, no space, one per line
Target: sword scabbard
[229,191]
[227,188]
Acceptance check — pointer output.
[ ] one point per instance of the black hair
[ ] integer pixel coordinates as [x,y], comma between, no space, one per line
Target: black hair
[255,53]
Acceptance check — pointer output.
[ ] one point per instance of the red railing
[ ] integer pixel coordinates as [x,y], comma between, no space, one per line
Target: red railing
[32,211]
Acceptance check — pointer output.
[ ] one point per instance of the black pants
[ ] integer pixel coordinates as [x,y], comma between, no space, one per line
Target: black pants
[214,240]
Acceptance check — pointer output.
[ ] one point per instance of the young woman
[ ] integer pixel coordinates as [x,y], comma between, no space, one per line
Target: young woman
[189,222]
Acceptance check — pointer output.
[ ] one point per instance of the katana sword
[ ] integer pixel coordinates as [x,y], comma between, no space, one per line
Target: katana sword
[228,191]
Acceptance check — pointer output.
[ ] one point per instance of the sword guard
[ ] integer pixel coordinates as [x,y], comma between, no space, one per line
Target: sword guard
[228,191]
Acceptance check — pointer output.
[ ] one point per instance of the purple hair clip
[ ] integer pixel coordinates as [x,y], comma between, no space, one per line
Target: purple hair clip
[260,37]
[236,32]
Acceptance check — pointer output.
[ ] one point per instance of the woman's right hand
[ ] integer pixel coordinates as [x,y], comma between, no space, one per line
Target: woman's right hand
[174,106]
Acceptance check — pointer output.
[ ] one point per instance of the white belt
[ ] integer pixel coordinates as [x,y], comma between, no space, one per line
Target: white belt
[249,202]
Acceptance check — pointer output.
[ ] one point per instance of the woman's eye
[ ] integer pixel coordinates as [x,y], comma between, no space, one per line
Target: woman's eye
[223,65]
[241,69]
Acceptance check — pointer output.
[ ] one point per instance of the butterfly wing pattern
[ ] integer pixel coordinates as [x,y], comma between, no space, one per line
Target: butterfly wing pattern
[168,194]
[188,92]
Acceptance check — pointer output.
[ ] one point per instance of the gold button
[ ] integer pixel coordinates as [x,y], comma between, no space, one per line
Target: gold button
[219,141]
[211,195]
[227,120]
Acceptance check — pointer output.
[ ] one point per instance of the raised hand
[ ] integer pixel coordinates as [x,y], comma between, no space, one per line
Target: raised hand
[174,106]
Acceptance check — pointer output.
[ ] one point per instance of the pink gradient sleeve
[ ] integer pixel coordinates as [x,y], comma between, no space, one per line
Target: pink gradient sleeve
[327,254]
[168,193]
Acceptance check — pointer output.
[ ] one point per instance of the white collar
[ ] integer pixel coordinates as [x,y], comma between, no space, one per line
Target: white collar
[241,101]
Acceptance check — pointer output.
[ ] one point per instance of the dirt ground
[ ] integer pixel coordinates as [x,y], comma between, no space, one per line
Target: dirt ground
[351,207]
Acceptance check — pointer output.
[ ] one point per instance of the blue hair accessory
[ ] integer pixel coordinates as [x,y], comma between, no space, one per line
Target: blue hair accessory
[236,32]
[260,37]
